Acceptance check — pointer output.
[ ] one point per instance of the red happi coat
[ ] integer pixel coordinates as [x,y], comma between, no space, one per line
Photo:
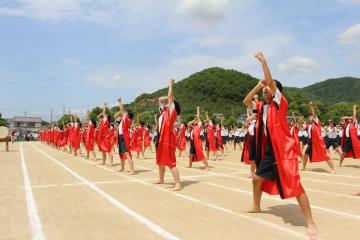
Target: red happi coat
[319,153]
[287,178]
[90,137]
[70,135]
[64,138]
[176,135]
[355,151]
[103,137]
[76,137]
[211,137]
[126,122]
[295,134]
[60,137]
[136,139]
[245,156]
[198,145]
[146,137]
[182,141]
[165,153]
[219,138]
[112,136]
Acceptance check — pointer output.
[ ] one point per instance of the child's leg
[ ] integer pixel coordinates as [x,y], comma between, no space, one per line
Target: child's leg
[161,175]
[257,192]
[176,175]
[305,159]
[306,209]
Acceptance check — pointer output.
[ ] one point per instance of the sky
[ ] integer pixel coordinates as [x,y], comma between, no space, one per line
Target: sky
[79,54]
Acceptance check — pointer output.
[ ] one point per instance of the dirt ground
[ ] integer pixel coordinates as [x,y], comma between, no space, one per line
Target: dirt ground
[49,194]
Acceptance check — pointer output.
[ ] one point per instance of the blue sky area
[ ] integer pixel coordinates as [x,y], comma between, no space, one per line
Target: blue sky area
[82,53]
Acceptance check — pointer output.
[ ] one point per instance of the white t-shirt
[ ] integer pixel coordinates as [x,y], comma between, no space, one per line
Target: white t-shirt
[332,132]
[171,108]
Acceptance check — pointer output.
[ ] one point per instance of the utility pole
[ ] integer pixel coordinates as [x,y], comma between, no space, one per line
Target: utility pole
[51,115]
[25,113]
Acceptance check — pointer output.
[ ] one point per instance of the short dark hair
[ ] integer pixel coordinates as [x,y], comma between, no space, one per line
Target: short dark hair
[177,107]
[130,114]
[94,122]
[278,85]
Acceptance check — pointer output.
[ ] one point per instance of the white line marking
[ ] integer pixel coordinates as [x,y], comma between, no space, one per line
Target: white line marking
[341,213]
[307,171]
[149,224]
[34,219]
[293,233]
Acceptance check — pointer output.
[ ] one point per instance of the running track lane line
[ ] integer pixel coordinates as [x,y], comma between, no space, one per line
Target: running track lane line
[152,226]
[293,233]
[329,210]
[34,219]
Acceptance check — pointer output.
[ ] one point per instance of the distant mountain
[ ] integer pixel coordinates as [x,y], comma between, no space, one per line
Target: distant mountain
[218,90]
[345,89]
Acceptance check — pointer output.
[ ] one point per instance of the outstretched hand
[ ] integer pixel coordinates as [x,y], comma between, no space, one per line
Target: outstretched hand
[260,56]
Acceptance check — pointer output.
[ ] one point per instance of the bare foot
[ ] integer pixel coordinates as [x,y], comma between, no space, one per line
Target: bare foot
[176,188]
[122,169]
[159,182]
[303,169]
[312,231]
[333,172]
[254,210]
[356,193]
[102,164]
[130,173]
[206,169]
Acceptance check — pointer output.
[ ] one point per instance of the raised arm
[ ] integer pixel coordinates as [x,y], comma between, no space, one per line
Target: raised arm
[267,74]
[354,112]
[248,99]
[138,119]
[251,117]
[171,92]
[88,115]
[198,113]
[155,119]
[312,109]
[207,117]
[191,123]
[121,106]
[294,117]
[103,112]
[117,114]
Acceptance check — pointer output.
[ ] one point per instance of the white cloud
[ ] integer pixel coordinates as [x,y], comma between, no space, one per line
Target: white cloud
[351,35]
[350,1]
[204,11]
[298,64]
[105,78]
[60,10]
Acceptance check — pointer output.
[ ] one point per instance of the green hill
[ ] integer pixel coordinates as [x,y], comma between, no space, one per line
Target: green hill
[215,90]
[336,90]
[221,91]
